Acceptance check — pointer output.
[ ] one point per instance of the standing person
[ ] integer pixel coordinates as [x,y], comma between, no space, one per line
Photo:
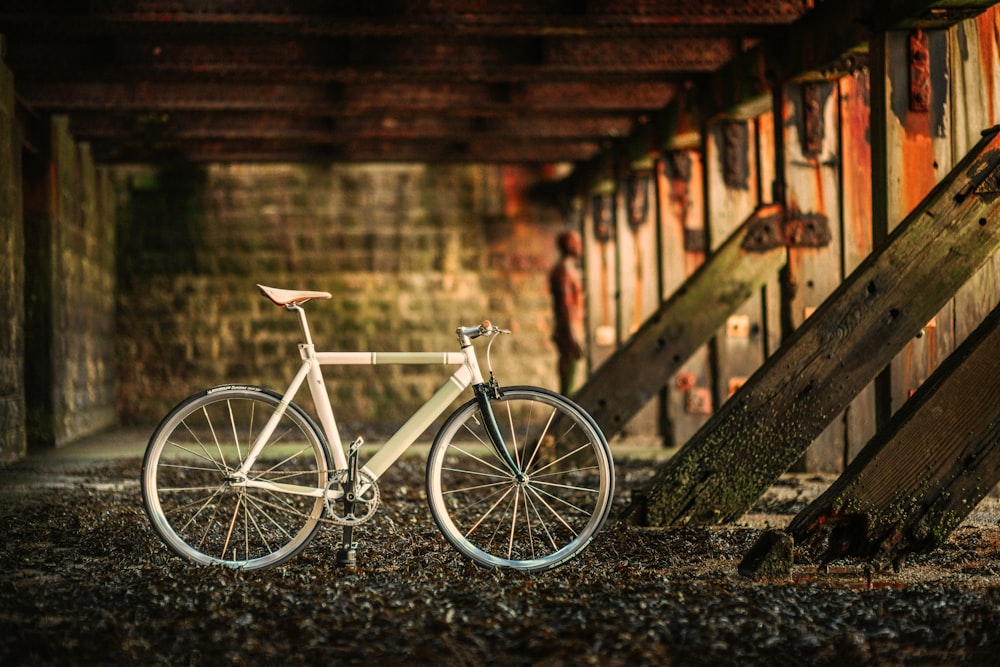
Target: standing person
[567,302]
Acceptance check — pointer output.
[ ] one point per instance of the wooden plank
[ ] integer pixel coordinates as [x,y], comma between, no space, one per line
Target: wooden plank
[920,477]
[600,264]
[767,157]
[683,239]
[856,218]
[731,145]
[920,154]
[639,285]
[975,91]
[760,432]
[812,191]
[635,373]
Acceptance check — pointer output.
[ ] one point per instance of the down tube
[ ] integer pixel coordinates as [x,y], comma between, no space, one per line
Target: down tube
[418,423]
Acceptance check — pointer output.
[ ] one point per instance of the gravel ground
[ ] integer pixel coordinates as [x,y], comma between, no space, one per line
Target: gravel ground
[85,581]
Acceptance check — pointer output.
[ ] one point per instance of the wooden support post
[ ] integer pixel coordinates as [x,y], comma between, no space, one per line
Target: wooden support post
[684,246]
[635,373]
[760,432]
[733,193]
[812,180]
[920,477]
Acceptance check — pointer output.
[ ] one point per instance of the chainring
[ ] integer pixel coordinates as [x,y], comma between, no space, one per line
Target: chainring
[365,504]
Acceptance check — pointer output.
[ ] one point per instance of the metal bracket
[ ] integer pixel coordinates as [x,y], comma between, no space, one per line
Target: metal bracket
[734,154]
[986,181]
[807,230]
[766,232]
[920,72]
[813,123]
[677,165]
[637,193]
[604,217]
[792,229]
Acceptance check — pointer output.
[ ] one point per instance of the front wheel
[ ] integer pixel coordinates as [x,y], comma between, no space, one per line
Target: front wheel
[200,506]
[537,516]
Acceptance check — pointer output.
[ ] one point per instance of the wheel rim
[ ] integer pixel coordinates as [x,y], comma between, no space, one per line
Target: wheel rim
[195,501]
[539,518]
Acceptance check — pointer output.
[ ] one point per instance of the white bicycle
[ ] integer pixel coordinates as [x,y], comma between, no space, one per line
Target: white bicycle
[517,477]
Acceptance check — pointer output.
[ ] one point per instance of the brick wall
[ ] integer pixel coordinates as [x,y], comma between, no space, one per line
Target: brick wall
[408,251]
[12,420]
[69,210]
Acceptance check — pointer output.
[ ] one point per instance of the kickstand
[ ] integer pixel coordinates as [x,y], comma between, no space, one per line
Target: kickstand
[347,554]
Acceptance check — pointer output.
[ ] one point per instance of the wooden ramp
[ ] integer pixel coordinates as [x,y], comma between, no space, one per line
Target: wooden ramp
[637,372]
[768,424]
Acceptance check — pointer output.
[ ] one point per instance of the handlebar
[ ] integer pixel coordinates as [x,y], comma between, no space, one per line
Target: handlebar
[487,328]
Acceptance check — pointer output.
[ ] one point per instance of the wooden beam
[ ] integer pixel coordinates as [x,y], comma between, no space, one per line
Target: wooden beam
[915,481]
[826,42]
[636,373]
[760,432]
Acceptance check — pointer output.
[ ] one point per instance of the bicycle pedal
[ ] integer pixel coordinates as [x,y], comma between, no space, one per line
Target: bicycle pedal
[356,445]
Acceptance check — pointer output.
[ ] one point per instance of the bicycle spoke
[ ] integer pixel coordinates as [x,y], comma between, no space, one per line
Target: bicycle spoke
[194,503]
[533,522]
[539,495]
[543,523]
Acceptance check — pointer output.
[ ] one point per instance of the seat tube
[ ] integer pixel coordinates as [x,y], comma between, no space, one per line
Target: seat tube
[321,401]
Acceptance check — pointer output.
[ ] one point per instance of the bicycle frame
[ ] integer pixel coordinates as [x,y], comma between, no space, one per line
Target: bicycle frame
[466,375]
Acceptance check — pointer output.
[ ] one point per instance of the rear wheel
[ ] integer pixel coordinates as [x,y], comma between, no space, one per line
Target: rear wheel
[199,507]
[538,516]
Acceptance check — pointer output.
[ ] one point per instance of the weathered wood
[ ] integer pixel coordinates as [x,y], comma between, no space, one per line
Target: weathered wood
[827,41]
[600,269]
[682,230]
[638,285]
[923,474]
[635,373]
[760,432]
[738,347]
[856,204]
[917,154]
[974,77]
[812,192]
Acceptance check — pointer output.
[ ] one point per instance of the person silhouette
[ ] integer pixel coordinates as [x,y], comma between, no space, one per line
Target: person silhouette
[566,287]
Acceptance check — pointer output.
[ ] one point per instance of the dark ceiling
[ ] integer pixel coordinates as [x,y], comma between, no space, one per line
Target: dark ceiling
[400,80]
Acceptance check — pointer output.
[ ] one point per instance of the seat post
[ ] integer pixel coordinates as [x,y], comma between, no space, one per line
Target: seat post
[303,323]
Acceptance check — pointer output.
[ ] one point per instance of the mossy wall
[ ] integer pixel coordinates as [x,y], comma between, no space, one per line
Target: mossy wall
[69,292]
[408,251]
[12,418]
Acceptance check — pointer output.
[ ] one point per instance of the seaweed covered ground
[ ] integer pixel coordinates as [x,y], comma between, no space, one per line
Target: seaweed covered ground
[84,581]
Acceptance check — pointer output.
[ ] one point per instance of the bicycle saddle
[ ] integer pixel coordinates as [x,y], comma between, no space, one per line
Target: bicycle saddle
[284,297]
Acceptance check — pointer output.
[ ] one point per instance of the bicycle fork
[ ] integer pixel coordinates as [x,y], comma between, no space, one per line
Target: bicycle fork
[485,393]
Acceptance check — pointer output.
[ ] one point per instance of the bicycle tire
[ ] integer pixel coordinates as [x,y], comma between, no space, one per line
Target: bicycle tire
[186,479]
[535,521]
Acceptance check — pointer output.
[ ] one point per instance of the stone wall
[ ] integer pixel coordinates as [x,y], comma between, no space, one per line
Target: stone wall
[69,215]
[12,420]
[408,251]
